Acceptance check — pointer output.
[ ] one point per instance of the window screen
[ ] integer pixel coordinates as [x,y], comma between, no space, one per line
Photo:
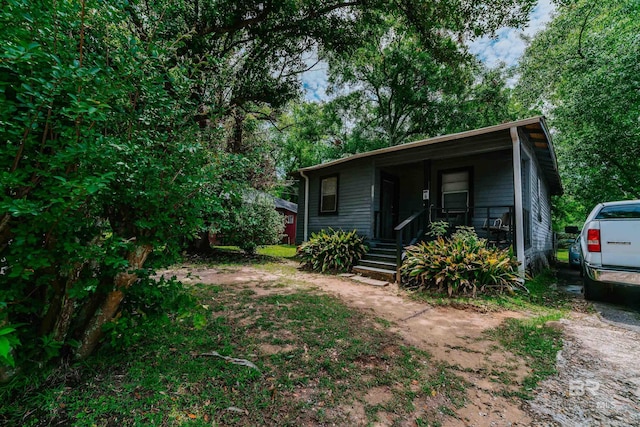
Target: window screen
[455,191]
[329,195]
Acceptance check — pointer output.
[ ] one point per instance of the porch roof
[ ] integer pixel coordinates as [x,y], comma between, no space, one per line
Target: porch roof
[535,128]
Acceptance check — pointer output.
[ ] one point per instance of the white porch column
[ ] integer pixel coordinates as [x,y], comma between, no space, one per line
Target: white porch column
[517,187]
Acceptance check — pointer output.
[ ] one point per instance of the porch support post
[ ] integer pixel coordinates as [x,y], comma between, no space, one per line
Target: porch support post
[517,187]
[305,223]
[426,167]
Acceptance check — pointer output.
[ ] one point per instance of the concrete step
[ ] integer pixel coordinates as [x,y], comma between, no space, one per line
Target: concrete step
[375,273]
[387,265]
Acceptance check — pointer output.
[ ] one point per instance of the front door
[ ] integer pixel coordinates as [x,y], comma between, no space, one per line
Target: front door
[389,200]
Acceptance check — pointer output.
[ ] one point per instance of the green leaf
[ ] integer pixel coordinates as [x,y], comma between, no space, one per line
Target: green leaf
[5,347]
[7,330]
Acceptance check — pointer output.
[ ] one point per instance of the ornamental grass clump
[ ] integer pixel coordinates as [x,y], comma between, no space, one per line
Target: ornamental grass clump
[462,264]
[330,250]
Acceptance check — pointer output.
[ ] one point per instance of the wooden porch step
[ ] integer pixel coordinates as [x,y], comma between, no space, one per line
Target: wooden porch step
[383,245]
[383,251]
[376,273]
[387,265]
[380,257]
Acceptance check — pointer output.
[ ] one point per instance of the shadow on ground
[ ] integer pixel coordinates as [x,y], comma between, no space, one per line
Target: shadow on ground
[622,308]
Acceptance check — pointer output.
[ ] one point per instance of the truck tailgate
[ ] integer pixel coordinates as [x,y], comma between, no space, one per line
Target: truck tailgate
[620,240]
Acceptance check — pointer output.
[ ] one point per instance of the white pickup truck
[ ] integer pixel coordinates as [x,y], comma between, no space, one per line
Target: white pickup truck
[610,248]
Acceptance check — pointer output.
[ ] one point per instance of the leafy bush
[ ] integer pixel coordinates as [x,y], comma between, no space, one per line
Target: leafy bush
[438,228]
[463,264]
[251,223]
[332,250]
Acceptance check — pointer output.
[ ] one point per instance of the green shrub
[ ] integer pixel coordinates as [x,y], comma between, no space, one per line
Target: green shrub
[330,250]
[252,223]
[463,264]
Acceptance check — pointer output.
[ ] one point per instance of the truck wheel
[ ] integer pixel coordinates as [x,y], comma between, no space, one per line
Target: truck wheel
[593,291]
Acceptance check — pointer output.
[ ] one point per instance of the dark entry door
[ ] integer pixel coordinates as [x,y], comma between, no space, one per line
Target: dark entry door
[389,201]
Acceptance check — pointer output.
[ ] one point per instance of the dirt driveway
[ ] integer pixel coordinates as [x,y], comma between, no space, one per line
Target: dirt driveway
[598,381]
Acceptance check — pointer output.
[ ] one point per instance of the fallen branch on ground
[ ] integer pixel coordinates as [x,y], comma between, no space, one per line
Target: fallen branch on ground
[235,361]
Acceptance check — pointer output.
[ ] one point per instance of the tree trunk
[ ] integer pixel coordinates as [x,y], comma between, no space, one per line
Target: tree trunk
[93,332]
[236,144]
[67,306]
[54,306]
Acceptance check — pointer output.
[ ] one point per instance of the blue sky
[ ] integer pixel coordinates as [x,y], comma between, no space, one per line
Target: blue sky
[507,47]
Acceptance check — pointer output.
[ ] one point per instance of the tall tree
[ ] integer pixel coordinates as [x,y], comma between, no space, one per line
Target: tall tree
[124,122]
[398,87]
[249,54]
[583,72]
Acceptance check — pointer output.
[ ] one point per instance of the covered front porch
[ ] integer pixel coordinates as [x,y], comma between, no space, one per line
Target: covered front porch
[474,190]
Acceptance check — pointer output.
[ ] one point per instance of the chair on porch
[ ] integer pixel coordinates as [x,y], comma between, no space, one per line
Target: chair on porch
[499,227]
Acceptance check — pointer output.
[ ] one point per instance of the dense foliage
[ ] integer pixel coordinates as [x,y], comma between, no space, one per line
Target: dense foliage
[250,222]
[332,250]
[462,265]
[129,125]
[582,71]
[104,161]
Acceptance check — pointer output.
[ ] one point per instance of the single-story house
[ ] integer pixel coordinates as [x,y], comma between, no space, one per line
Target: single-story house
[498,179]
[289,211]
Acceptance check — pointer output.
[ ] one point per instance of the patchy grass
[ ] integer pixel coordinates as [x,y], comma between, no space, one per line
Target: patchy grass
[530,338]
[562,255]
[274,251]
[537,343]
[315,359]
[278,251]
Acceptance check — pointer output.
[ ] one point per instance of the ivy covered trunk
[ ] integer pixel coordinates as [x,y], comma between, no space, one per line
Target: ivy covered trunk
[107,311]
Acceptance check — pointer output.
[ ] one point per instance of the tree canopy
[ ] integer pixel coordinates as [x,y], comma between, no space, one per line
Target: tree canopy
[127,126]
[583,72]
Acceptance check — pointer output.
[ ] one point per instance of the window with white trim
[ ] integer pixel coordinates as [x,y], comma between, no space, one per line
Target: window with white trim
[288,219]
[329,195]
[455,191]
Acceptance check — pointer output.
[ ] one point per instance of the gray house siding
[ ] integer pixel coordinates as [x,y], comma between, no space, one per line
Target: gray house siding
[492,183]
[354,200]
[540,216]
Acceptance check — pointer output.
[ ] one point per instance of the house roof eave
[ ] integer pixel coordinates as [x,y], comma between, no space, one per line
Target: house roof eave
[428,141]
[544,150]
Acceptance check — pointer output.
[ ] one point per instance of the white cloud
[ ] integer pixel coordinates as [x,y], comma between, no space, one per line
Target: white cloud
[508,46]
[315,82]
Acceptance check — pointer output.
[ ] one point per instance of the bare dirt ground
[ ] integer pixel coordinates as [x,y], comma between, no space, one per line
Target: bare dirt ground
[598,381]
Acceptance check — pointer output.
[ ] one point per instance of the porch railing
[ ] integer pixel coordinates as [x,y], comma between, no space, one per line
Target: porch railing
[409,232]
[494,223]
